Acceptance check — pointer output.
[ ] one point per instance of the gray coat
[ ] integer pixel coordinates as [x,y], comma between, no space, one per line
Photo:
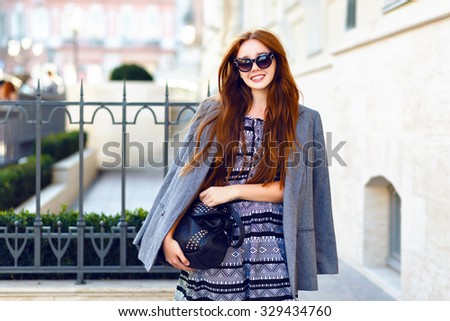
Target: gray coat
[307,215]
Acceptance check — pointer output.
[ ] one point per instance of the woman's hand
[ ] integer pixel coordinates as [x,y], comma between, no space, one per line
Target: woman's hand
[174,255]
[216,195]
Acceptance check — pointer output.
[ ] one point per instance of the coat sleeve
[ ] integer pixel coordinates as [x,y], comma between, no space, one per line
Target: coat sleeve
[326,253]
[186,148]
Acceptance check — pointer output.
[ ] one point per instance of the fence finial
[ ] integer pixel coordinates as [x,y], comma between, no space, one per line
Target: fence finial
[81,89]
[124,88]
[167,89]
[208,93]
[38,87]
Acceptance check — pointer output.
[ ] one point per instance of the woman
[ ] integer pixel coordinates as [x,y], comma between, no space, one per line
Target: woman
[264,164]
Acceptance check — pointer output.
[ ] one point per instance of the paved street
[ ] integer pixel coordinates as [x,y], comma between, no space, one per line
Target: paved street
[142,185]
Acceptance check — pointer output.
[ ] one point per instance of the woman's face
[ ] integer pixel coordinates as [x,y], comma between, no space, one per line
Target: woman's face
[256,78]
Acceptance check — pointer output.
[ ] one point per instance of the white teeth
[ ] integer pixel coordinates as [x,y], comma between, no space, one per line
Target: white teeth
[259,77]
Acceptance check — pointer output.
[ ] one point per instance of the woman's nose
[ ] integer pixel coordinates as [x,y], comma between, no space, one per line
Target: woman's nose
[254,66]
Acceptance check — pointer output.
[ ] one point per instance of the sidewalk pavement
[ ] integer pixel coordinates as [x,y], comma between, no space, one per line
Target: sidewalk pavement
[105,194]
[93,290]
[142,185]
[348,285]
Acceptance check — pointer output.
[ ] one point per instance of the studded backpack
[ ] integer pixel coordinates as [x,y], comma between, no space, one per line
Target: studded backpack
[205,234]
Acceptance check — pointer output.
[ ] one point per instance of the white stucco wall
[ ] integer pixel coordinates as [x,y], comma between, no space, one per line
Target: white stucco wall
[389,99]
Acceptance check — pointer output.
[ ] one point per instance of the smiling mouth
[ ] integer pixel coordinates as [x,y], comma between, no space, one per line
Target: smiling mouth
[257,77]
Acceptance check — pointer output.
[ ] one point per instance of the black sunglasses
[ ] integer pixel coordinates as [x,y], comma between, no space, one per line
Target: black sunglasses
[263,61]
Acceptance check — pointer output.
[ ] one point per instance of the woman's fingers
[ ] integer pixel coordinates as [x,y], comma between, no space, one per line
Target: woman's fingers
[184,262]
[180,263]
[204,196]
[216,195]
[175,256]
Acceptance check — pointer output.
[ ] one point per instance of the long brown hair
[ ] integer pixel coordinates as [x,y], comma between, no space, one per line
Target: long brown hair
[235,99]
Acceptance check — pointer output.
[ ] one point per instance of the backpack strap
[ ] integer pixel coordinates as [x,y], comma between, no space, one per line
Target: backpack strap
[236,217]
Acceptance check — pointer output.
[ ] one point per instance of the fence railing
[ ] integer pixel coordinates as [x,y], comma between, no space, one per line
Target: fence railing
[17,136]
[101,241]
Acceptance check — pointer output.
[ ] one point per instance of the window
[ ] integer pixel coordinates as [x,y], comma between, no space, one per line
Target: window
[351,14]
[394,256]
[128,28]
[96,23]
[381,231]
[40,17]
[393,4]
[151,31]
[71,20]
[17,24]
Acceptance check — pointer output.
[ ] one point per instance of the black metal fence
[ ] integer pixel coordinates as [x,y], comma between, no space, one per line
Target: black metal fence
[59,241]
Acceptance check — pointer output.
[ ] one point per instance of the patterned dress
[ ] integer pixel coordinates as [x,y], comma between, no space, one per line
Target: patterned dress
[257,270]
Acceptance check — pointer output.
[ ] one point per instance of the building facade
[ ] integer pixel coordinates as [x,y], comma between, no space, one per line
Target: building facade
[86,39]
[378,73]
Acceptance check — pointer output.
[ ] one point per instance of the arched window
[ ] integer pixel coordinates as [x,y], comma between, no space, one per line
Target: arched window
[382,225]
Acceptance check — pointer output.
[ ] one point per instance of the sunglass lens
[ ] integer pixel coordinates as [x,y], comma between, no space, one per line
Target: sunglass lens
[245,65]
[263,61]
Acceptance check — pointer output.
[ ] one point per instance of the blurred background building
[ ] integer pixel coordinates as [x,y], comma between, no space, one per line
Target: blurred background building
[70,41]
[376,70]
[87,39]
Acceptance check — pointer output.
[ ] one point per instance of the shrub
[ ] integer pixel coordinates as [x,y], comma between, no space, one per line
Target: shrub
[66,218]
[17,182]
[61,145]
[130,72]
[63,220]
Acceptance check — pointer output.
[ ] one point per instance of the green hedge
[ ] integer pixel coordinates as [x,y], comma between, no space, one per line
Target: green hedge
[61,145]
[17,182]
[66,219]
[130,72]
[69,218]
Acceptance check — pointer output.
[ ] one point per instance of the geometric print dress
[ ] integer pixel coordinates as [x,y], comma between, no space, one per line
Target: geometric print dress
[256,270]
